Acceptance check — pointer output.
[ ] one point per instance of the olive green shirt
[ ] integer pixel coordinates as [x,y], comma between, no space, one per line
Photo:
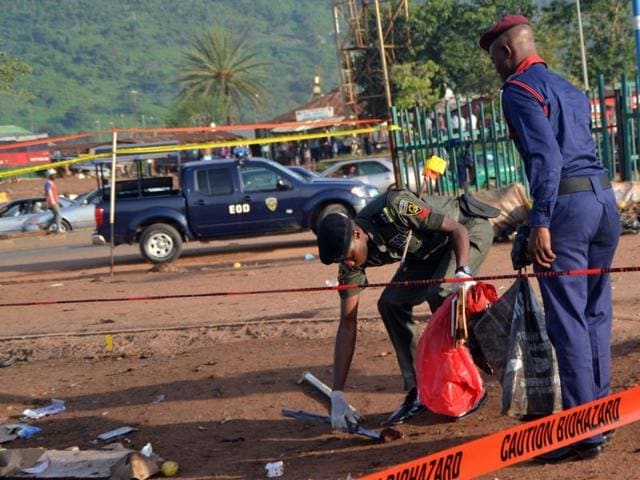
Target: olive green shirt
[388,219]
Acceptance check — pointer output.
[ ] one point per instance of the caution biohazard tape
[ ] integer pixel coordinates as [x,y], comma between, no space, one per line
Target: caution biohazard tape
[406,283]
[520,443]
[194,146]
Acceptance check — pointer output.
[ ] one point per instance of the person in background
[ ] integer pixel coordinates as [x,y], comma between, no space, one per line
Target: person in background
[465,168]
[265,150]
[574,221]
[53,204]
[350,171]
[434,167]
[241,151]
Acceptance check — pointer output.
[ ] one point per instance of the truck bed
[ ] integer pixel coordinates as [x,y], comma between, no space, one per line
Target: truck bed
[145,187]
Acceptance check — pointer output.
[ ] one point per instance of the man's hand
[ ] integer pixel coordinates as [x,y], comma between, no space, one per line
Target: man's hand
[343,415]
[465,285]
[540,247]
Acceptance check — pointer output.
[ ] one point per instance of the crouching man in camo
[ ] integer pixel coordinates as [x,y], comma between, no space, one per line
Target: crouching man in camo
[431,238]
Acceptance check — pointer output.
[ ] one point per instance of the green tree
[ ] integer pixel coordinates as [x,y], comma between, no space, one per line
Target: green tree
[608,34]
[447,33]
[195,111]
[414,84]
[220,65]
[12,69]
[76,119]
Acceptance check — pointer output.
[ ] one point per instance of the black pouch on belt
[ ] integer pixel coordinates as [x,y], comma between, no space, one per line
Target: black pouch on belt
[473,207]
[520,249]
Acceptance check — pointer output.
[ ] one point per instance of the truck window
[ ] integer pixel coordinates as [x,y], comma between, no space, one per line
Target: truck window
[257,179]
[214,181]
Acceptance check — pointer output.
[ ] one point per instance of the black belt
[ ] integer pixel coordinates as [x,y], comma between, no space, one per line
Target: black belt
[581,184]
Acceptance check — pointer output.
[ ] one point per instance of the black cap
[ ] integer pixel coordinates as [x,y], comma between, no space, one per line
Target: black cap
[334,237]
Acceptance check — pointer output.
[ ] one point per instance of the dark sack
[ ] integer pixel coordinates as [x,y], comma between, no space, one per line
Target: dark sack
[479,297]
[448,381]
[513,338]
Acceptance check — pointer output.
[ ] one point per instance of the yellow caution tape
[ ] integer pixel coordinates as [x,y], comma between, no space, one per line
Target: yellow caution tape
[195,146]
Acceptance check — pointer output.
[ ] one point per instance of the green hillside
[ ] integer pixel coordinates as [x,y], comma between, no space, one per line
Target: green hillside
[98,64]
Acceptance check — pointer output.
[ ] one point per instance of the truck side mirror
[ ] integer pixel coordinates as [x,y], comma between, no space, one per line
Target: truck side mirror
[283,184]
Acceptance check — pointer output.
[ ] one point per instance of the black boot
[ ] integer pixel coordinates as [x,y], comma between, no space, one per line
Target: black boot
[410,408]
[578,451]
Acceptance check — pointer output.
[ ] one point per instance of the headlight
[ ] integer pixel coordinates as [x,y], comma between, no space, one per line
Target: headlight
[364,191]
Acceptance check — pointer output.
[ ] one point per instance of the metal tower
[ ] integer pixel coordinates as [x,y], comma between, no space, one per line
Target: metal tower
[362,78]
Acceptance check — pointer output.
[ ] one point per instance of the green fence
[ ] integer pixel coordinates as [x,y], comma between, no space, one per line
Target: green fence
[616,125]
[473,137]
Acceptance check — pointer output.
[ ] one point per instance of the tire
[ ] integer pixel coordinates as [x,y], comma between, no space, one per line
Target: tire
[160,243]
[331,208]
[64,227]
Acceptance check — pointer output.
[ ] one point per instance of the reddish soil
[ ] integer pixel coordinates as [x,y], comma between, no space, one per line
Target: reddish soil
[228,365]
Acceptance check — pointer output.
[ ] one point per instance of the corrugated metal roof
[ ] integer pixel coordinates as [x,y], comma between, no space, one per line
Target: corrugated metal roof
[332,99]
[70,149]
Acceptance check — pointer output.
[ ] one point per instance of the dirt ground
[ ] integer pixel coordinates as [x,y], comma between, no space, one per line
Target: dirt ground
[224,367]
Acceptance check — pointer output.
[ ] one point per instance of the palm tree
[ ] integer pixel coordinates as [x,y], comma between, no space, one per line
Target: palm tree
[223,66]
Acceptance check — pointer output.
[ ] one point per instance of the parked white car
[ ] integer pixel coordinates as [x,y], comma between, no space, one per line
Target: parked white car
[374,171]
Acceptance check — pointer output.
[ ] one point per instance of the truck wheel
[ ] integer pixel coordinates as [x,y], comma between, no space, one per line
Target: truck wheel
[331,208]
[160,243]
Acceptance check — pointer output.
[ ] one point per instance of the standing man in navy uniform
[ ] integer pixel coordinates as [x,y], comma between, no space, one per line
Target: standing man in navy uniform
[574,222]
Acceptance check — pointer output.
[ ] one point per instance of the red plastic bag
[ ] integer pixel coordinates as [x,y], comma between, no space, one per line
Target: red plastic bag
[449,383]
[480,297]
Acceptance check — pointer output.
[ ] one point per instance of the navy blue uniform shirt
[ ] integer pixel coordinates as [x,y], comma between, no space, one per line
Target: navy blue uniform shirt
[552,147]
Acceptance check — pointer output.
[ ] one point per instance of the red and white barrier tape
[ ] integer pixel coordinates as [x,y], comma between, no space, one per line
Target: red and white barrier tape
[408,283]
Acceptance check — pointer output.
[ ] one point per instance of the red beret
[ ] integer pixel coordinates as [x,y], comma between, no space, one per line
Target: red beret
[499,28]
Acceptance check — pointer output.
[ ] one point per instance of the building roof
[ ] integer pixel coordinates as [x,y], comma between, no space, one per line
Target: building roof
[13,130]
[67,149]
[13,133]
[333,99]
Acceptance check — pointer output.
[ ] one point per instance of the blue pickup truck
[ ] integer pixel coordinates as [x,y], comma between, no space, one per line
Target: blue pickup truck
[224,198]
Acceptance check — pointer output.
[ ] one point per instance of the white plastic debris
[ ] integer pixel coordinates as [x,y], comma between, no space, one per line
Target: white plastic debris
[41,466]
[147,450]
[274,469]
[56,406]
[115,433]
